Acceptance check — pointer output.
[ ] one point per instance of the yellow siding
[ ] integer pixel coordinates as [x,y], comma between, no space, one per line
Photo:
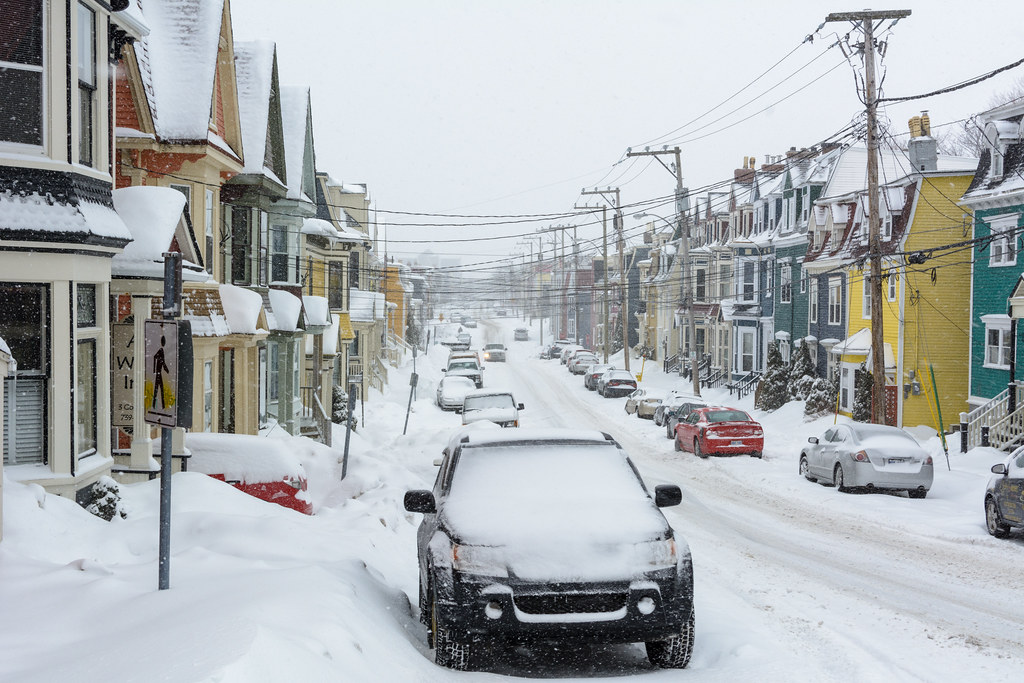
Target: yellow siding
[937,311]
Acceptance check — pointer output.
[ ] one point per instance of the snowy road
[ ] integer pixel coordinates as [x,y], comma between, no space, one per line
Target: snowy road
[797,584]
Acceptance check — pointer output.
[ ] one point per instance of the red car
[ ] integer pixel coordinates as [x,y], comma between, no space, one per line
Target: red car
[719,431]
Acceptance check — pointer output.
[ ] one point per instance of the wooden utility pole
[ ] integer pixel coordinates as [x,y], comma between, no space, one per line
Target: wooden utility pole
[623,309]
[865,20]
[682,206]
[604,277]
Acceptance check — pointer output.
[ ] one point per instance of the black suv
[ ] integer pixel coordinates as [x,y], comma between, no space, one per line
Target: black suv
[549,535]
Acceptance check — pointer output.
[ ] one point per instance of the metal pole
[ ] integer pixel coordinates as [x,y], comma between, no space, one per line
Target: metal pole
[171,304]
[604,279]
[348,429]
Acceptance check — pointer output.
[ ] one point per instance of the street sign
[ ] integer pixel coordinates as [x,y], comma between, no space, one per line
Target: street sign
[161,389]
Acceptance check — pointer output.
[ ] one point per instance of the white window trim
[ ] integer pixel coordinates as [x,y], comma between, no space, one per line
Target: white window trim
[1003,224]
[812,302]
[21,147]
[996,322]
[850,385]
[893,281]
[865,300]
[835,285]
[786,284]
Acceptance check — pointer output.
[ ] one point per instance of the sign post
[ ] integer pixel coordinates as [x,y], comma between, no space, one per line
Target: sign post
[353,382]
[168,392]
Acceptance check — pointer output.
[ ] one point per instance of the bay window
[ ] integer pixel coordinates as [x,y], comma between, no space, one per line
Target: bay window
[86,38]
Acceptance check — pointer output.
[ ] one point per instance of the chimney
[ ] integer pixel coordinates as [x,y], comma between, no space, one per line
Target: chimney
[922,148]
[743,175]
[791,152]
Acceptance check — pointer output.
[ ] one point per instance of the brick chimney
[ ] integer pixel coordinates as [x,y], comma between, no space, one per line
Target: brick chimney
[922,148]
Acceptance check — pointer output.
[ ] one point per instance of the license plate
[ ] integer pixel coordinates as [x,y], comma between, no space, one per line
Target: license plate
[737,443]
[893,461]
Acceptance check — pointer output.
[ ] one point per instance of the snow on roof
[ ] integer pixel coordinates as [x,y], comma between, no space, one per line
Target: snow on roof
[242,308]
[294,102]
[44,214]
[181,51]
[4,348]
[131,20]
[287,310]
[318,312]
[366,306]
[254,70]
[323,228]
[152,214]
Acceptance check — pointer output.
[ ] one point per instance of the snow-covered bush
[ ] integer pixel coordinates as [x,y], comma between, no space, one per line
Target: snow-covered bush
[339,407]
[104,499]
[803,372]
[862,386]
[773,389]
[821,399]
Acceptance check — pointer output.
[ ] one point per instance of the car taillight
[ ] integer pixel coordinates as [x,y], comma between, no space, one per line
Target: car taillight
[861,456]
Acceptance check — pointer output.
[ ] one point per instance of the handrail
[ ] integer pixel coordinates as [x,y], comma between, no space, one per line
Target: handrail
[313,410]
[989,415]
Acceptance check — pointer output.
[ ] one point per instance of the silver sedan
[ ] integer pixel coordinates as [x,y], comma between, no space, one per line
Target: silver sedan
[869,456]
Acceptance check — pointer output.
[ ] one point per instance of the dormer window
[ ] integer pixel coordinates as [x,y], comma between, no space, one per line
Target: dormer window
[887,226]
[21,73]
[997,162]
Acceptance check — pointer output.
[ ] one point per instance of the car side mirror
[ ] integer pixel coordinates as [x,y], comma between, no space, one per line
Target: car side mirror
[438,461]
[444,370]
[520,407]
[812,439]
[999,469]
[666,495]
[420,501]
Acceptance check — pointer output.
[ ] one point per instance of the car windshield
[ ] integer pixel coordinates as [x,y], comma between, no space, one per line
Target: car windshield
[494,346]
[462,365]
[727,416]
[489,401]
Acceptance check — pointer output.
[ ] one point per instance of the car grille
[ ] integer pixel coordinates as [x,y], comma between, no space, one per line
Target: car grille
[570,603]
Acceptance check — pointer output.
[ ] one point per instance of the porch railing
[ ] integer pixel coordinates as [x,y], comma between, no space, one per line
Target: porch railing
[671,364]
[744,385]
[990,414]
[716,378]
[1007,433]
[313,413]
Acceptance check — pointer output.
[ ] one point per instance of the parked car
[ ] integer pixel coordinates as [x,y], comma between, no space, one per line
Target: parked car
[262,468]
[475,355]
[495,353]
[496,406]
[567,349]
[719,431]
[674,412]
[643,402]
[857,455]
[616,383]
[521,334]
[554,350]
[593,373]
[466,367]
[546,558]
[451,390]
[579,363]
[469,322]
[1004,496]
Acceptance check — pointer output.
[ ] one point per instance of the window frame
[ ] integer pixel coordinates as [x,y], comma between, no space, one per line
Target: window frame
[786,284]
[38,147]
[812,302]
[1000,324]
[87,89]
[865,299]
[1003,244]
[835,307]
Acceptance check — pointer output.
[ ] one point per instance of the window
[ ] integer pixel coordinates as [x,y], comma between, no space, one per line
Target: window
[806,205]
[769,278]
[786,284]
[209,217]
[86,308]
[702,292]
[335,284]
[748,281]
[724,275]
[746,350]
[21,73]
[803,282]
[273,380]
[791,215]
[835,301]
[887,226]
[846,388]
[997,341]
[812,301]
[280,249]
[263,263]
[241,240]
[354,275]
[86,40]
[865,310]
[892,280]
[85,398]
[1003,249]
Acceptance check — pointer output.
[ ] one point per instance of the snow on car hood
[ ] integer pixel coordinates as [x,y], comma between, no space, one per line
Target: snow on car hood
[566,512]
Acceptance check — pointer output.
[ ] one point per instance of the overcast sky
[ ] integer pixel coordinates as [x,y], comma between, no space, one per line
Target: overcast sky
[510,107]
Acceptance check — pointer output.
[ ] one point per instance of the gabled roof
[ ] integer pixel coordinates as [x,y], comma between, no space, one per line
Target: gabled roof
[157,219]
[259,106]
[297,125]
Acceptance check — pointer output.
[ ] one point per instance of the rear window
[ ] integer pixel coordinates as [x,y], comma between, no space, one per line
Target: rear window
[727,416]
[485,402]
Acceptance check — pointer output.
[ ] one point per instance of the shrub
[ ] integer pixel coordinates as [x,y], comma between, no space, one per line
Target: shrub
[862,386]
[803,372]
[339,408]
[773,389]
[104,499]
[821,399]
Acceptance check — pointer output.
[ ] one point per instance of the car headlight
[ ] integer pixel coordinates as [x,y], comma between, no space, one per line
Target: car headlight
[661,554]
[479,559]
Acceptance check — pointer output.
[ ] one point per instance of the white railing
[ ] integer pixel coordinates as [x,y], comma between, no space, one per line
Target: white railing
[1007,432]
[991,414]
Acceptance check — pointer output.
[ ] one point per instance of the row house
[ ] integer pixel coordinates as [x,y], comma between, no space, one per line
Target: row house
[661,279]
[58,234]
[996,198]
[923,285]
[711,265]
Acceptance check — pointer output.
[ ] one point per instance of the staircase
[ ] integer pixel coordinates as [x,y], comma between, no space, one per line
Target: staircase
[744,385]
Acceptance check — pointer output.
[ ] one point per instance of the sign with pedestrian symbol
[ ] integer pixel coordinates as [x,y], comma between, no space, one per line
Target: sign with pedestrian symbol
[161,390]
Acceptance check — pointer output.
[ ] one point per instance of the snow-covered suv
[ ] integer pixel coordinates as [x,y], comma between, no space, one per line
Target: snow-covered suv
[549,535]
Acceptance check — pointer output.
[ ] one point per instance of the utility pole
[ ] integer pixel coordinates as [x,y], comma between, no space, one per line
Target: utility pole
[623,309]
[682,207]
[866,19]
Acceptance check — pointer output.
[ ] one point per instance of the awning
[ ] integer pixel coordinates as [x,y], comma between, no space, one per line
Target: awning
[345,331]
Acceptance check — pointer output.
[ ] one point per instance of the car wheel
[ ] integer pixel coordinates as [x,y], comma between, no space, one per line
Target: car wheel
[697,449]
[668,431]
[676,445]
[757,454]
[992,522]
[917,493]
[838,480]
[673,652]
[805,469]
[448,652]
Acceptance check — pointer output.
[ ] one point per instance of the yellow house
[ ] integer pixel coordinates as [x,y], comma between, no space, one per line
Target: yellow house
[925,290]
